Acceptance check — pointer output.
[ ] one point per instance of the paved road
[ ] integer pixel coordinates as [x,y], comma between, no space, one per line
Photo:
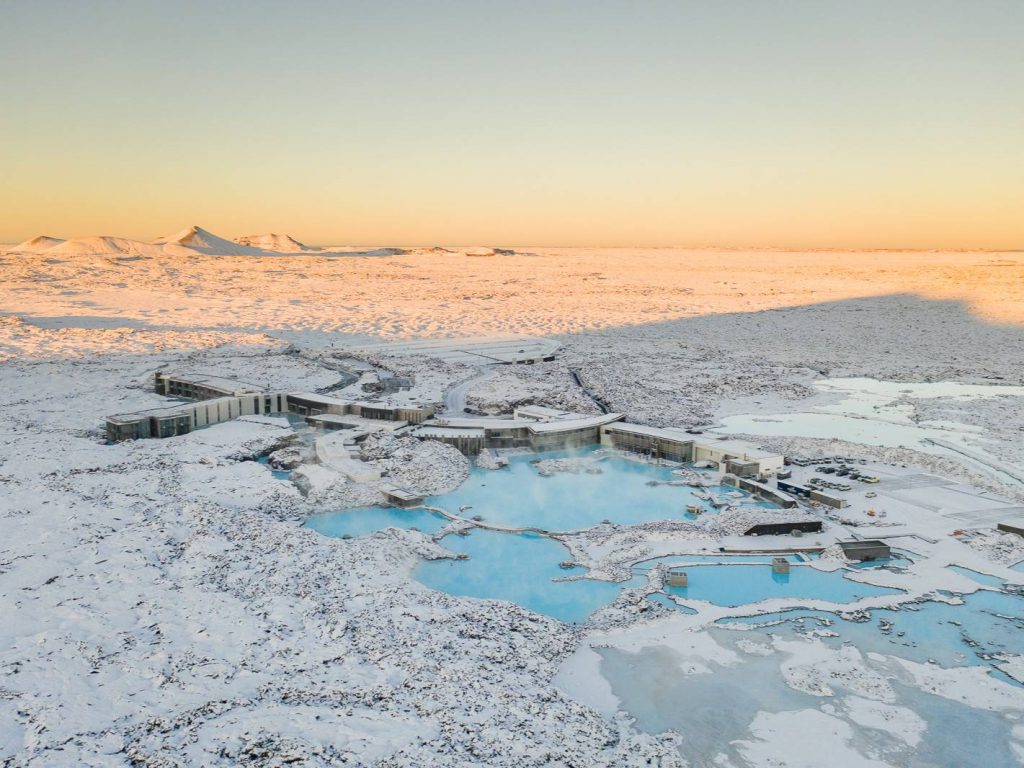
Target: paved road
[455,398]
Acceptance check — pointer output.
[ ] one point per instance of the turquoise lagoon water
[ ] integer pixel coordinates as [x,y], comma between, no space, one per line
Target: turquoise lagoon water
[525,568]
[745,583]
[519,496]
[365,520]
[278,474]
[520,568]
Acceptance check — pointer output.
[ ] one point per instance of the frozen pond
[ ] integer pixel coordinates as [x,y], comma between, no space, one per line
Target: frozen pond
[712,698]
[872,412]
[986,624]
[709,710]
[521,568]
[712,704]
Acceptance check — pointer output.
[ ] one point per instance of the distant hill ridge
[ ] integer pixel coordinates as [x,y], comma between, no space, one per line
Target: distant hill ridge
[274,242]
[196,241]
[103,244]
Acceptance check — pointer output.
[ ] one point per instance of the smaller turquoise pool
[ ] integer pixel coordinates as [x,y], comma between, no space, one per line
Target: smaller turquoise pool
[521,568]
[743,584]
[713,558]
[277,474]
[364,520]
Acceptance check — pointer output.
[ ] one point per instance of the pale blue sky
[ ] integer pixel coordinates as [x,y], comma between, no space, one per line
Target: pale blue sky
[790,123]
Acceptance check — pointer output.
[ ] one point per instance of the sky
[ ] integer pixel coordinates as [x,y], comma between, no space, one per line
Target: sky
[803,124]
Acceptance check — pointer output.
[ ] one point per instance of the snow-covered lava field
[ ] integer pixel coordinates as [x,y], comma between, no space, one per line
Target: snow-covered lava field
[179,601]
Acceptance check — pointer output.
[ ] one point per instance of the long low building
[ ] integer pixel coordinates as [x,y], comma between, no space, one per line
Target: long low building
[537,428]
[546,429]
[471,436]
[182,418]
[311,404]
[199,386]
[218,400]
[734,456]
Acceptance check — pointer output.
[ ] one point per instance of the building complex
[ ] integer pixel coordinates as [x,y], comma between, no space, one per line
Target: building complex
[209,399]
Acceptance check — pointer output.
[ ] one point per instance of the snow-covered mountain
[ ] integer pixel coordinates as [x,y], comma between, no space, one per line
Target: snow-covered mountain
[274,242]
[199,240]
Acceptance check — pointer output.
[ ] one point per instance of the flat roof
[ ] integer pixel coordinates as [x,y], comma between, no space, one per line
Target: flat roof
[315,398]
[741,447]
[184,409]
[333,418]
[175,409]
[543,412]
[403,494]
[372,404]
[449,432]
[466,423]
[357,422]
[668,433]
[212,380]
[566,425]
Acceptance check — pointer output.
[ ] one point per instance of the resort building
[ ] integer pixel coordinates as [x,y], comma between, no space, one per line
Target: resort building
[401,497]
[309,404]
[470,436]
[181,418]
[538,428]
[199,386]
[218,400]
[669,443]
[733,456]
[865,550]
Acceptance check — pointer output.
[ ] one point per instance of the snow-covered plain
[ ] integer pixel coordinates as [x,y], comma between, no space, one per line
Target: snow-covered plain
[163,605]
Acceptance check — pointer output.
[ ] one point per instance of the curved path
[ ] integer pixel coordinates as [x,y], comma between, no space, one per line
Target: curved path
[455,398]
